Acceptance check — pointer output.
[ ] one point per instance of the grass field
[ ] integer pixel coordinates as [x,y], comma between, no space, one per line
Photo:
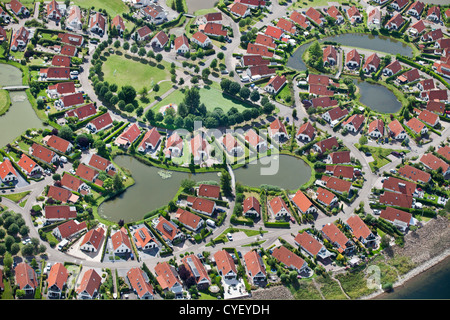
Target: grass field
[5,102]
[122,71]
[210,96]
[113,7]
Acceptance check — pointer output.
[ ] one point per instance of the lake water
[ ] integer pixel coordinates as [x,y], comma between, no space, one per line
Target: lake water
[365,41]
[20,115]
[431,284]
[378,97]
[151,191]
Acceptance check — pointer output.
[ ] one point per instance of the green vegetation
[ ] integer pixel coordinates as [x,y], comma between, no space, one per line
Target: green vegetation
[121,71]
[112,7]
[16,197]
[5,102]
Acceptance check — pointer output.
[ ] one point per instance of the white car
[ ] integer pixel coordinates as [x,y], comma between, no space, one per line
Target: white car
[230,237]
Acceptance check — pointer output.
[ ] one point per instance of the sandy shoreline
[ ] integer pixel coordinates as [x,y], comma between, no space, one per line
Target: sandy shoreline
[413,273]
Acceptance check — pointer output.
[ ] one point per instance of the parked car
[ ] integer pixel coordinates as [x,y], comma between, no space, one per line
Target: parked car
[230,237]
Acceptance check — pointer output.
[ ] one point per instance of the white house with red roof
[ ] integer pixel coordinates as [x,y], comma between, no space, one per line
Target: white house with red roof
[329,55]
[337,238]
[254,266]
[376,128]
[326,197]
[277,130]
[189,220]
[7,172]
[130,135]
[20,39]
[70,100]
[306,132]
[97,24]
[168,278]
[225,266]
[120,242]
[196,269]
[150,142]
[154,13]
[58,143]
[89,286]
[82,112]
[168,230]
[54,11]
[302,202]
[393,68]
[251,207]
[201,39]
[43,154]
[181,44]
[290,259]
[174,146]
[117,22]
[74,19]
[26,278]
[416,9]
[311,246]
[399,4]
[159,40]
[18,8]
[54,73]
[140,283]
[354,123]
[69,229]
[59,213]
[143,33]
[100,123]
[361,231]
[354,15]
[239,9]
[372,63]
[352,59]
[315,16]
[28,166]
[279,208]
[300,19]
[396,130]
[334,115]
[56,281]
[92,240]
[399,218]
[255,140]
[434,14]
[326,144]
[275,84]
[143,239]
[395,22]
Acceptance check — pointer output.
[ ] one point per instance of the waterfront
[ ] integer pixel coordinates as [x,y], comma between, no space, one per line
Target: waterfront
[363,41]
[151,191]
[20,108]
[378,97]
[431,284]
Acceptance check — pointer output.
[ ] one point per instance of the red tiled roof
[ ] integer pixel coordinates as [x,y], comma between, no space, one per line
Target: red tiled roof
[393,214]
[445,152]
[308,243]
[415,125]
[259,50]
[318,79]
[414,174]
[42,153]
[265,41]
[70,38]
[328,144]
[314,15]
[180,40]
[131,133]
[254,60]
[117,21]
[71,182]
[6,168]
[60,212]
[299,19]
[82,112]
[396,127]
[209,191]
[396,199]
[277,204]
[301,201]
[99,163]
[433,162]
[90,283]
[352,55]
[356,120]
[188,218]
[277,82]
[399,185]
[359,228]
[57,276]
[394,66]
[151,137]
[200,37]
[25,276]
[203,205]
[340,157]
[70,227]
[325,196]
[58,143]
[376,124]
[286,25]
[254,264]
[166,275]
[138,282]
[59,194]
[335,235]
[63,87]
[429,117]
[225,263]
[238,8]
[26,163]
[214,29]
[307,129]
[94,237]
[61,61]
[102,121]
[290,259]
[162,38]
[251,203]
[337,184]
[86,172]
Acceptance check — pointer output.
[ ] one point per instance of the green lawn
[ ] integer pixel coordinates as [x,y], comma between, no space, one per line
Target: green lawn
[16,197]
[5,101]
[211,97]
[123,71]
[113,7]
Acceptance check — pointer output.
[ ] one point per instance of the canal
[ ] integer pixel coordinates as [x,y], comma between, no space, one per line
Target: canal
[152,191]
[20,115]
[364,41]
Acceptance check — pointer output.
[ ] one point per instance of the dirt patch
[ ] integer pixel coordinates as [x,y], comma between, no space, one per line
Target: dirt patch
[272,293]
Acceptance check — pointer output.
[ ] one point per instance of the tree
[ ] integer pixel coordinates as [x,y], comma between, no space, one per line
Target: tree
[244,93]
[117,44]
[192,99]
[225,84]
[142,52]
[128,93]
[254,95]
[159,57]
[117,182]
[150,115]
[187,185]
[363,140]
[234,88]
[225,183]
[65,133]
[126,45]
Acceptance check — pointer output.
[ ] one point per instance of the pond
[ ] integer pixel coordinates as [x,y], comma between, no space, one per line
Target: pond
[365,41]
[151,191]
[20,115]
[378,97]
[194,5]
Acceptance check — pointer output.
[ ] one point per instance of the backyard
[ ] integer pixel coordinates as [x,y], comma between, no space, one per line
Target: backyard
[113,7]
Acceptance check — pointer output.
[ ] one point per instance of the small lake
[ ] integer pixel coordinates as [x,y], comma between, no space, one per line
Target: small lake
[151,191]
[194,5]
[378,97]
[20,115]
[364,41]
